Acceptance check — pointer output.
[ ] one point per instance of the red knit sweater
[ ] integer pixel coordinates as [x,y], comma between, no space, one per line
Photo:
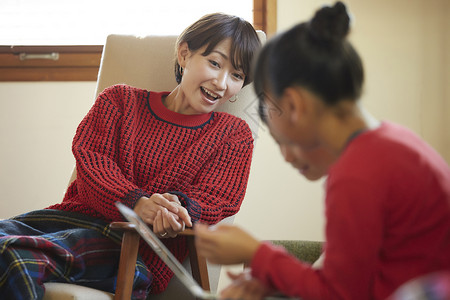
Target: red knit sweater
[388,221]
[130,145]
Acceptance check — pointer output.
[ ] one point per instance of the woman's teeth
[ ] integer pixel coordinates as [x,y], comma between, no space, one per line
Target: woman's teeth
[211,95]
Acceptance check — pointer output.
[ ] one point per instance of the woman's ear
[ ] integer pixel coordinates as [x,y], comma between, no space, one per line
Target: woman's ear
[183,53]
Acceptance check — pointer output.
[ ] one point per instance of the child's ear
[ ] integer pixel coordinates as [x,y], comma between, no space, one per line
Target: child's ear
[294,104]
[183,53]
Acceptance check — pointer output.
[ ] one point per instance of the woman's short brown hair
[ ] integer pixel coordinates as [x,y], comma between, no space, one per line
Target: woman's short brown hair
[214,28]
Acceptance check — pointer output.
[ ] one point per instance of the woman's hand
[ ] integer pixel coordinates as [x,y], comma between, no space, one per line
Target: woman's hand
[164,212]
[244,287]
[225,244]
[167,224]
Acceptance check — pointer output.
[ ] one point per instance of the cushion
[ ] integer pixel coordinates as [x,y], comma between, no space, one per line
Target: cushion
[63,291]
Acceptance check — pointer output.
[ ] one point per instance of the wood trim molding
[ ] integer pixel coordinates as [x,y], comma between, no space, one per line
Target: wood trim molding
[265,16]
[49,63]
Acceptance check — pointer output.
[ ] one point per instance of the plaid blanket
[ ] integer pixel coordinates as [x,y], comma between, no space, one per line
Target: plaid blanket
[57,246]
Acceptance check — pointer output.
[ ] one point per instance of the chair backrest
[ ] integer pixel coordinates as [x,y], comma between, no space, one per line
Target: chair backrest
[148,62]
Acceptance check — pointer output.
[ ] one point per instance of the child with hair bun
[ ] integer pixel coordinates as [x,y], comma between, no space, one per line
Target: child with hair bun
[387,202]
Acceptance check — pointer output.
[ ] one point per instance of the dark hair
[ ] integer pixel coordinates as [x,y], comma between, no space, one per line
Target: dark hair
[212,29]
[315,55]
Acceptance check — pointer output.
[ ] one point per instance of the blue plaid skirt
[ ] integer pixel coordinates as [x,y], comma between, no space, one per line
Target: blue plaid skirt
[57,246]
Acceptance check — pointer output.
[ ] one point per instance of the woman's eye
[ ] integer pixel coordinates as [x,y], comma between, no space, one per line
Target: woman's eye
[214,63]
[238,76]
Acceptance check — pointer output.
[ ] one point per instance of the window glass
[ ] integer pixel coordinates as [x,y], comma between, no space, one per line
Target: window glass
[88,22]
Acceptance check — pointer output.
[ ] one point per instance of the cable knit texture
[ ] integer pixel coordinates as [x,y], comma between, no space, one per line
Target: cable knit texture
[130,145]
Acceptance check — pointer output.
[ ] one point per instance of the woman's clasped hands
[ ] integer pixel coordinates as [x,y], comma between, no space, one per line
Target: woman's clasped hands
[165,213]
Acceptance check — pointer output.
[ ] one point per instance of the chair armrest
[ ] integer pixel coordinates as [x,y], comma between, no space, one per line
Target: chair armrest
[127,226]
[188,232]
[123,226]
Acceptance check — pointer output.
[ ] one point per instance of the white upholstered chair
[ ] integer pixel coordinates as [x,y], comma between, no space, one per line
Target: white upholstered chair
[148,62]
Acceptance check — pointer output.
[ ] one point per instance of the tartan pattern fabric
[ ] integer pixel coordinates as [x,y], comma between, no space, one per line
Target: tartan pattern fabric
[57,246]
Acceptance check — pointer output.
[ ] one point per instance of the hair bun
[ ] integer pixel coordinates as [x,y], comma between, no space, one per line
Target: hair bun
[330,24]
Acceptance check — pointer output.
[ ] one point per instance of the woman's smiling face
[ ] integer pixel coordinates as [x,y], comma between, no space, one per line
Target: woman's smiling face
[209,80]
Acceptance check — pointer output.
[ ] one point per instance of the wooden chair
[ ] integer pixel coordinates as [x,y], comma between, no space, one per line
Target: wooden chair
[147,62]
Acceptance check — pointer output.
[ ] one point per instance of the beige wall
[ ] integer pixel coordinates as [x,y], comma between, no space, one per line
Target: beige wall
[37,124]
[405,47]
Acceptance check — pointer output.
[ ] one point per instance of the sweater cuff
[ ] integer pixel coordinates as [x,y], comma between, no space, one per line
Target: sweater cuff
[133,196]
[193,208]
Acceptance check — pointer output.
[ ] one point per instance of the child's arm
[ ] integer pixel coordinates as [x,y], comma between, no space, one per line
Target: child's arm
[271,265]
[225,244]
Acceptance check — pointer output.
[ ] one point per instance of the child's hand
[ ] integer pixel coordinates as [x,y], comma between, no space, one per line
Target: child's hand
[245,287]
[225,244]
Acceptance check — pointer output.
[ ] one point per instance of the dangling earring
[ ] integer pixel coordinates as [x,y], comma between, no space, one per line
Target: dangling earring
[235,99]
[181,71]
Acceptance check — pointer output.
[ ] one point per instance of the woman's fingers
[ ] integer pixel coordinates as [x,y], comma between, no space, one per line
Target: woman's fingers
[168,220]
[172,217]
[158,226]
[172,198]
[161,200]
[167,224]
[184,216]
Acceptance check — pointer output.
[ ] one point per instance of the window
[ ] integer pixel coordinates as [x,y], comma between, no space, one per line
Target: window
[51,40]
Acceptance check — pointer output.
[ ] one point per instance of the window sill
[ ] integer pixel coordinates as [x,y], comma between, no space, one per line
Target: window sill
[73,63]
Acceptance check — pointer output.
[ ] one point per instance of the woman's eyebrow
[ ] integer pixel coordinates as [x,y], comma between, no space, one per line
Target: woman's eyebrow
[227,58]
[221,53]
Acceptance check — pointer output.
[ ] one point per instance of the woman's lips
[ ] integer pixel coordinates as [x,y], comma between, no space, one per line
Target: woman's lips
[210,96]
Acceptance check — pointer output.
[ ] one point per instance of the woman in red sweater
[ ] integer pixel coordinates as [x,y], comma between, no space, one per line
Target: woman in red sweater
[167,155]
[387,201]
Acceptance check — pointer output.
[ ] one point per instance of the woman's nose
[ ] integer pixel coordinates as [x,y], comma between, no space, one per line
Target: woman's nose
[221,80]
